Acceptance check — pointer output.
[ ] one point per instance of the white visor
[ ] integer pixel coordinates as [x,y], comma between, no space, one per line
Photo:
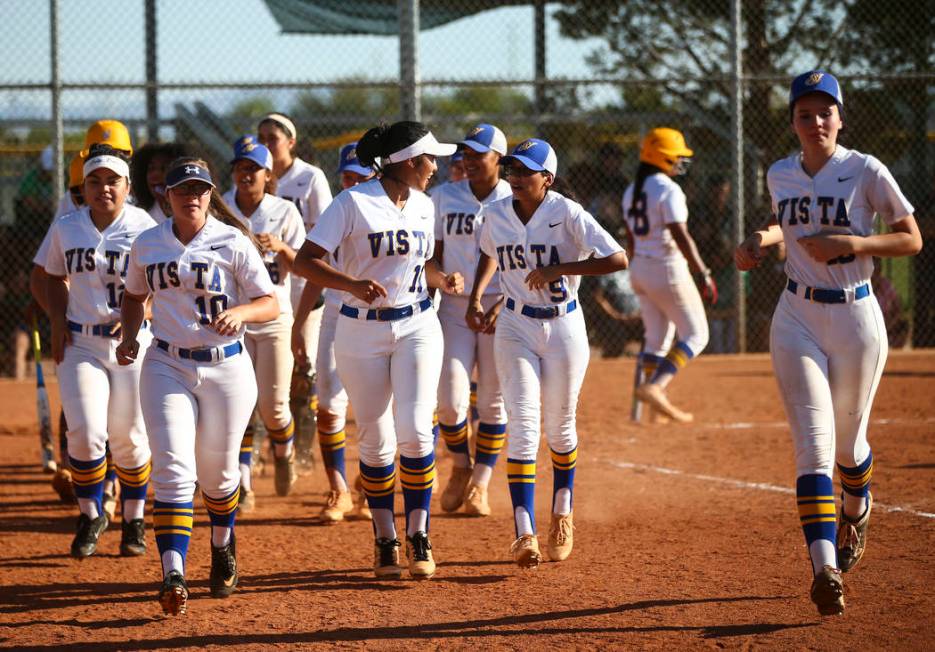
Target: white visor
[112,163]
[425,145]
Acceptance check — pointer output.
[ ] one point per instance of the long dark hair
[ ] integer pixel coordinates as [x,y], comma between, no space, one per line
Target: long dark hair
[643,172]
[139,165]
[382,140]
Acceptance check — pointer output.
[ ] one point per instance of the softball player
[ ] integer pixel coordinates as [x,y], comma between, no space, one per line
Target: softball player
[307,187]
[389,345]
[541,243]
[459,216]
[86,265]
[277,226]
[148,173]
[663,253]
[332,399]
[827,339]
[207,280]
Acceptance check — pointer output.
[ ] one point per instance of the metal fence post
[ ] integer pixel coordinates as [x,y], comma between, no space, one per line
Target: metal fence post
[152,90]
[737,173]
[411,94]
[58,175]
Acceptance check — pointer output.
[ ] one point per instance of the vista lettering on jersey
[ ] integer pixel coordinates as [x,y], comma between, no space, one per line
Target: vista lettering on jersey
[80,259]
[513,256]
[396,242]
[796,210]
[459,223]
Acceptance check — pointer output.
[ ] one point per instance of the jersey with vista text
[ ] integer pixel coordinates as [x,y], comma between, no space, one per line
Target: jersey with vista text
[191,284]
[459,216]
[380,241]
[662,202]
[560,231]
[842,198]
[95,262]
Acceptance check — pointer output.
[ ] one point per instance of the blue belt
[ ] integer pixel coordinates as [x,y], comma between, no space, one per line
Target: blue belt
[819,295]
[385,314]
[100,330]
[550,312]
[209,354]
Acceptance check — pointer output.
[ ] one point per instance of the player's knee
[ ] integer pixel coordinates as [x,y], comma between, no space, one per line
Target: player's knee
[450,414]
[172,489]
[329,420]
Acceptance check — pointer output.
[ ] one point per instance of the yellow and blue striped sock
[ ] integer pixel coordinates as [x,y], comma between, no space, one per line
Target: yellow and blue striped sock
[111,474]
[172,523]
[650,363]
[88,477]
[815,499]
[436,429]
[417,476]
[246,446]
[855,480]
[134,482]
[678,356]
[456,439]
[490,440]
[282,436]
[563,480]
[521,475]
[332,445]
[379,483]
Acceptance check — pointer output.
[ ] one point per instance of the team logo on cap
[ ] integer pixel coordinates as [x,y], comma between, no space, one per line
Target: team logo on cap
[247,144]
[191,169]
[524,146]
[351,153]
[814,78]
[106,134]
[476,131]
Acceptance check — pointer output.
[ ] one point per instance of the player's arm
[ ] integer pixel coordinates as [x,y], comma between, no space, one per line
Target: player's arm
[542,276]
[451,283]
[257,311]
[307,302]
[310,263]
[285,255]
[686,244]
[903,239]
[476,318]
[132,314]
[57,302]
[749,253]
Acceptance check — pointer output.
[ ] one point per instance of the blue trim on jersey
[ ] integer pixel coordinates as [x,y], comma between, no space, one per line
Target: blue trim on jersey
[543,313]
[819,295]
[201,355]
[386,314]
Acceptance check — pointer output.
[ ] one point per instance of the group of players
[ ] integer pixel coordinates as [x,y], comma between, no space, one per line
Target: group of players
[171,325]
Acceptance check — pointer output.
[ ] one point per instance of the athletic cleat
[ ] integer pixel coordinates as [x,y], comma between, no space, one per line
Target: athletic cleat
[525,551]
[133,538]
[656,397]
[89,531]
[247,501]
[828,592]
[224,570]
[386,559]
[561,537]
[63,486]
[339,503]
[453,495]
[419,554]
[475,501]
[852,537]
[109,504]
[173,595]
[285,474]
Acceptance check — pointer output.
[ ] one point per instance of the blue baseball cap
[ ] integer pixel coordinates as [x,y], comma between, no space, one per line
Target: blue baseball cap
[815,81]
[348,161]
[457,156]
[535,154]
[247,148]
[188,172]
[485,138]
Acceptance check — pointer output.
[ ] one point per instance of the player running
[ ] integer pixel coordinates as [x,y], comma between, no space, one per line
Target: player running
[207,280]
[541,243]
[828,340]
[388,345]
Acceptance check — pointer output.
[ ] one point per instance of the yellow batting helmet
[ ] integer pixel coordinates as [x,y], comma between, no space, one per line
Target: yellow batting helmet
[76,171]
[108,132]
[664,148]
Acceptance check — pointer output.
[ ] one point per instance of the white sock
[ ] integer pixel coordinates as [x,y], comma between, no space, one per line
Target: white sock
[220,536]
[245,477]
[283,450]
[110,487]
[562,502]
[384,525]
[337,481]
[172,561]
[417,521]
[88,507]
[481,475]
[523,522]
[133,508]
[854,506]
[823,554]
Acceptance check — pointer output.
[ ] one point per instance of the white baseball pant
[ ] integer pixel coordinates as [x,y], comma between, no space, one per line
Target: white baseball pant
[669,302]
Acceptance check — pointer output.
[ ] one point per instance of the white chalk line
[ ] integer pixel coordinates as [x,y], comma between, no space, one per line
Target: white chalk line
[742,484]
[763,425]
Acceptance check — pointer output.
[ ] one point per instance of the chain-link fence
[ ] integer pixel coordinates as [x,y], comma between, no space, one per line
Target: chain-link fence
[590,77]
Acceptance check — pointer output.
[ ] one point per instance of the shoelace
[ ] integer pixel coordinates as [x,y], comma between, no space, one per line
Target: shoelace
[849,537]
[388,551]
[420,548]
[564,529]
[224,563]
[333,499]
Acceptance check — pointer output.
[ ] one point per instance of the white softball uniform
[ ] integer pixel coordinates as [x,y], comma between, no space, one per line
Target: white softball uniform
[669,300]
[540,344]
[99,396]
[389,351]
[269,344]
[828,340]
[307,187]
[197,389]
[459,216]
[157,213]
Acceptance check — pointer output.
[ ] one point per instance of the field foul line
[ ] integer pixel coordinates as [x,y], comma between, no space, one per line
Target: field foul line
[741,484]
[750,425]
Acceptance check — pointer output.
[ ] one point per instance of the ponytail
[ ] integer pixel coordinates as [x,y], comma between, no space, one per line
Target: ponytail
[643,172]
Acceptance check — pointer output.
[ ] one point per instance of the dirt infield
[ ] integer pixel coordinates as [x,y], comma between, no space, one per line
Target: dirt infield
[686,536]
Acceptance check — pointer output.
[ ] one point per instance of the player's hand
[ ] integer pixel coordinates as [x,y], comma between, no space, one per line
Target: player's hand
[115,329]
[367,290]
[475,317]
[127,351]
[298,345]
[227,323]
[823,247]
[490,317]
[541,277]
[748,254]
[269,242]
[708,288]
[61,337]
[454,283]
